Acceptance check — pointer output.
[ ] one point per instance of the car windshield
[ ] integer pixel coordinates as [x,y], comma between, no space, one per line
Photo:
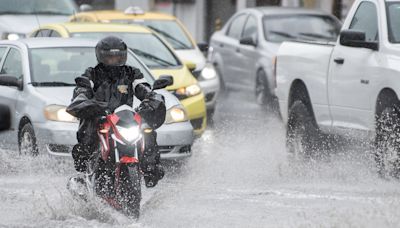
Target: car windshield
[300,27]
[150,49]
[169,29]
[393,17]
[56,7]
[61,65]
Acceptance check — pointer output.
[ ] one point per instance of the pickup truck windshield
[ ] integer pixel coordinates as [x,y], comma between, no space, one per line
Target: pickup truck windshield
[60,66]
[150,49]
[393,11]
[50,7]
[279,28]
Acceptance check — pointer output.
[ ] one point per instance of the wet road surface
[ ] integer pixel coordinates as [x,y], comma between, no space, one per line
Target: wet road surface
[238,176]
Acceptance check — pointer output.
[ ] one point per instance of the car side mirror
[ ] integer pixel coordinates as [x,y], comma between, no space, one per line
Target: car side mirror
[248,41]
[5,118]
[163,81]
[85,7]
[203,47]
[353,38]
[190,65]
[8,80]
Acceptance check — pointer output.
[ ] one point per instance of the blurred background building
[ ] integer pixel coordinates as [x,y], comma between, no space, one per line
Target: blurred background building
[203,17]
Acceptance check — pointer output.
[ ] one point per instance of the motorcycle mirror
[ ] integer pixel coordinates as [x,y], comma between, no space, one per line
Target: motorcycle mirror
[5,118]
[163,81]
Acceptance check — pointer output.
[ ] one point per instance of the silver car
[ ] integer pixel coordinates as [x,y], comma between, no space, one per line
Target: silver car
[244,49]
[37,82]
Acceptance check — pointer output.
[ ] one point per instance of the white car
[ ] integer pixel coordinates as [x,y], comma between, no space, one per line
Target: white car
[244,49]
[37,82]
[350,87]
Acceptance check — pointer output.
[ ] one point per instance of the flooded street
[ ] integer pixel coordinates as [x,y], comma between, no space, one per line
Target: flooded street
[238,176]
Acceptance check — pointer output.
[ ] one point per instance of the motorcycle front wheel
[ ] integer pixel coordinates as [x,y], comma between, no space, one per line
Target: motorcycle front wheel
[130,193]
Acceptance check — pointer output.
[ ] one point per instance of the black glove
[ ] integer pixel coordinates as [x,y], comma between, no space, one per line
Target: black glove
[153,110]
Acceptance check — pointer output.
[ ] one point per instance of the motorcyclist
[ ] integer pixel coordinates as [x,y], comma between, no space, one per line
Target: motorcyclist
[102,89]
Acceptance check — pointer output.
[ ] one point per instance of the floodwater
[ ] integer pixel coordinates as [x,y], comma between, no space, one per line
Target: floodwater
[238,176]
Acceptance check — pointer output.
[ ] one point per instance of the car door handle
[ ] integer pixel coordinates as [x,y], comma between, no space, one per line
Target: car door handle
[339,60]
[364,81]
[221,45]
[238,50]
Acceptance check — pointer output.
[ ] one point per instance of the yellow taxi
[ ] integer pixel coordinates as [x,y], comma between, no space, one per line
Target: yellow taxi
[176,34]
[153,51]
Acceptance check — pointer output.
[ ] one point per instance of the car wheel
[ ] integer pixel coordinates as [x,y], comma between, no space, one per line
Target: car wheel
[302,133]
[387,145]
[27,141]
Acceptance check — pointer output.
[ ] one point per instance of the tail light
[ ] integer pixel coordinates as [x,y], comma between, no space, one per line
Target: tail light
[274,62]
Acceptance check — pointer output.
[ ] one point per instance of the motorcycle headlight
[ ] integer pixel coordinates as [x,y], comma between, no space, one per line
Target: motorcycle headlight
[58,113]
[208,72]
[129,134]
[176,114]
[12,36]
[189,91]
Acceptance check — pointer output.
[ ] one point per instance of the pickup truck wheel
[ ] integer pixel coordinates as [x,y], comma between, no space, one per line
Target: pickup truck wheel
[302,134]
[27,141]
[387,145]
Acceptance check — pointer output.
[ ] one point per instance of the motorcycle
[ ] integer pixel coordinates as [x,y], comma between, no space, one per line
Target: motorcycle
[113,170]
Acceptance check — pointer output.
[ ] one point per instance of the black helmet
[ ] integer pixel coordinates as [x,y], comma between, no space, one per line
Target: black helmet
[111,51]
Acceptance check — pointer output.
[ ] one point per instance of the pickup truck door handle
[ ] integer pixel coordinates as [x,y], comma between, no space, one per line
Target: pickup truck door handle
[339,60]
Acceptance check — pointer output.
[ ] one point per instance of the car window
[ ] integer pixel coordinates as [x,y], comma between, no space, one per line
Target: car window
[250,28]
[64,64]
[43,33]
[150,49]
[55,34]
[236,26]
[2,52]
[366,20]
[38,7]
[13,64]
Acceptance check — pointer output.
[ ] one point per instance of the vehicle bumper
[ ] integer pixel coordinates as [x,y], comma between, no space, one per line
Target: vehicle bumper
[58,138]
[210,89]
[196,110]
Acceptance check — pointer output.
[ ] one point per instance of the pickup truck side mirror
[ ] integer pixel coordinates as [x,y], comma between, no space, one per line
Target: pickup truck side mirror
[5,117]
[352,38]
[163,81]
[248,41]
[8,80]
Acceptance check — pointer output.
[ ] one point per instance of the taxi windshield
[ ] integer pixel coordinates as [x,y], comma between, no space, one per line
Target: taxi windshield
[150,49]
[169,29]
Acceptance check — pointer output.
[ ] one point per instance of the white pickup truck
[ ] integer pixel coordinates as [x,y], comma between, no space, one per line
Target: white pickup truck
[349,88]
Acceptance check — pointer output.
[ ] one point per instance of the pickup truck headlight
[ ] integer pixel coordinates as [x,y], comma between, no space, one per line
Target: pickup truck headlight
[188,91]
[12,36]
[176,114]
[208,72]
[58,113]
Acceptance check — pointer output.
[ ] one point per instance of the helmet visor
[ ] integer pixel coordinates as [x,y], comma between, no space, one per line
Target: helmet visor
[113,57]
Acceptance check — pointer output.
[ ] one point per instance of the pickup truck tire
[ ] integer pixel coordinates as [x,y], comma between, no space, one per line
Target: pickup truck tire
[302,134]
[387,145]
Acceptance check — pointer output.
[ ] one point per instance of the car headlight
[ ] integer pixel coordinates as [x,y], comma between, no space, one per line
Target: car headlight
[129,134]
[208,72]
[58,113]
[189,91]
[175,114]
[12,36]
